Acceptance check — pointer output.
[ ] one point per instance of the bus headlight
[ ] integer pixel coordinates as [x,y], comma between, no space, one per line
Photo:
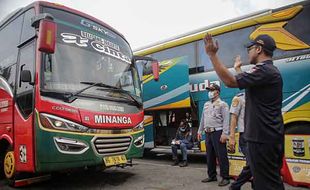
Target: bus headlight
[139,127]
[54,122]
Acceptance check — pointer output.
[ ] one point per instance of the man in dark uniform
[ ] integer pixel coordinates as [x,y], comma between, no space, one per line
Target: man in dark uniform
[264,131]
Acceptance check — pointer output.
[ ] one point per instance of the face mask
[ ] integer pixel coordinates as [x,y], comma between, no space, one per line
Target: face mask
[211,95]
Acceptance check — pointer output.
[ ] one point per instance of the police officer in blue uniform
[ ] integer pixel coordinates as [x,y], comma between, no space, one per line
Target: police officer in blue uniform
[237,109]
[215,123]
[264,131]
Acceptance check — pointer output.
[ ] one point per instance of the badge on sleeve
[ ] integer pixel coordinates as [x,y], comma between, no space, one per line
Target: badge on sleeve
[253,69]
[235,102]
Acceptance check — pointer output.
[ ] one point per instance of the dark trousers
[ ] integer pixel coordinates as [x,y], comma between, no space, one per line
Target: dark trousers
[245,175]
[265,161]
[216,149]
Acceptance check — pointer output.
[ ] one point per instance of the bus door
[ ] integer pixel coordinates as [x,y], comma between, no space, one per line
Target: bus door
[24,110]
[162,126]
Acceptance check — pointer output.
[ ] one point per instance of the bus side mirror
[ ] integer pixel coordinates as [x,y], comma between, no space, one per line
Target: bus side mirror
[47,36]
[145,61]
[47,32]
[155,69]
[25,76]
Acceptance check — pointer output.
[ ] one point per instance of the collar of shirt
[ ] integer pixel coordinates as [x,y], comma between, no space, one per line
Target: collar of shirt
[265,62]
[216,102]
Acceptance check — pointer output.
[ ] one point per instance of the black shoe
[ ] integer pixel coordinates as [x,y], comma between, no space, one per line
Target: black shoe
[207,180]
[175,163]
[231,188]
[224,182]
[183,164]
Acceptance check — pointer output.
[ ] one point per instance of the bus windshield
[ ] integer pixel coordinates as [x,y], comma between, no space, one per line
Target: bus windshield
[87,52]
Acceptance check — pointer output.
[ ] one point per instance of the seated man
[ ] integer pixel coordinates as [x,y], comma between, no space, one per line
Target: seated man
[183,141]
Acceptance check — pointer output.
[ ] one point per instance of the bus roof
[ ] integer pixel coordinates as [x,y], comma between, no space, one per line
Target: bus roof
[59,6]
[260,17]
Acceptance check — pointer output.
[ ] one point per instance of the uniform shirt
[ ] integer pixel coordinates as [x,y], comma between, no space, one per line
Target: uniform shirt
[215,114]
[237,108]
[263,101]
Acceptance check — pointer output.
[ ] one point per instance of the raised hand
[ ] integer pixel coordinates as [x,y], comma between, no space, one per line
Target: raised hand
[210,47]
[238,63]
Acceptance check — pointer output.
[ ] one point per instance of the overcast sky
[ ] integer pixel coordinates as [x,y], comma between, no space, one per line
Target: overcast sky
[144,22]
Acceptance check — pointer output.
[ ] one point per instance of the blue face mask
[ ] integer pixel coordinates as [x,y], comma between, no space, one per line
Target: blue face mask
[211,94]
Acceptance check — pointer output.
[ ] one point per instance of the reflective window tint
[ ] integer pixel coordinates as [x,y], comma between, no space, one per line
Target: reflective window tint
[231,44]
[9,38]
[28,30]
[24,94]
[9,74]
[299,25]
[179,51]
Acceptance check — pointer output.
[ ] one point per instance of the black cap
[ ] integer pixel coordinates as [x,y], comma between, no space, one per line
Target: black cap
[265,41]
[213,86]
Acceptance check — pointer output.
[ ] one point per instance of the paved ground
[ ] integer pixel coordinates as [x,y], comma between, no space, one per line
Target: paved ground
[150,173]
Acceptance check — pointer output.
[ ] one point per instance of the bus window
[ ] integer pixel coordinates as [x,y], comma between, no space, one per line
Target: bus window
[24,95]
[9,74]
[28,30]
[232,44]
[179,51]
[298,25]
[9,38]
[302,33]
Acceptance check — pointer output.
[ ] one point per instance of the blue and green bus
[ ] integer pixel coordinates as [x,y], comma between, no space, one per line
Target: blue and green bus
[185,71]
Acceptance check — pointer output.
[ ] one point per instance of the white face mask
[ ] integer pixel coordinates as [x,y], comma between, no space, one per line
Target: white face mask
[211,94]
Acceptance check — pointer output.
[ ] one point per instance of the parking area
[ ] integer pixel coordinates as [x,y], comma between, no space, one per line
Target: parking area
[153,172]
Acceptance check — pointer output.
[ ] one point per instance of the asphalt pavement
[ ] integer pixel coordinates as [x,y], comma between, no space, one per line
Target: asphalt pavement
[153,172]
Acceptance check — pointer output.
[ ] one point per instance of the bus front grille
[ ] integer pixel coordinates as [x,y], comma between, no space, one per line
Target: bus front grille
[112,145]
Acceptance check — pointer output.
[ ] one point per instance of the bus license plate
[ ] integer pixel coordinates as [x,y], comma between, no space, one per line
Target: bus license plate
[115,160]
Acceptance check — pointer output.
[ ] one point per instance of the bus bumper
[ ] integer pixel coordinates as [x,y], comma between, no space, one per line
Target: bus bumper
[58,150]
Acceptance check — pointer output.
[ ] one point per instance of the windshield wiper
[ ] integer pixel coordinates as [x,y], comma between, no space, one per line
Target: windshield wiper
[72,96]
[113,88]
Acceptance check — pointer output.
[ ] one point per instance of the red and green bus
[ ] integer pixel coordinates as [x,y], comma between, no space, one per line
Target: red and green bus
[70,93]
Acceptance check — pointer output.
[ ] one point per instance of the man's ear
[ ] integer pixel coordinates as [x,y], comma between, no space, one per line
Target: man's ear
[259,49]
[218,93]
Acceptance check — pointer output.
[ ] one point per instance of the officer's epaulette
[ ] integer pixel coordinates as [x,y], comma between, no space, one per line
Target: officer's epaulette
[259,64]
[240,94]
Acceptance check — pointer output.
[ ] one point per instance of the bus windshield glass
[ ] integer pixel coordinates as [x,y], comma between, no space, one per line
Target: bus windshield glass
[87,52]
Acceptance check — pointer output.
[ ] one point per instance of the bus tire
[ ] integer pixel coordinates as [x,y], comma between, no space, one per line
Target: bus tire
[2,153]
[8,165]
[3,147]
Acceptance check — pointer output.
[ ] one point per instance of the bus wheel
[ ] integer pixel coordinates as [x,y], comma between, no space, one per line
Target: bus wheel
[9,166]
